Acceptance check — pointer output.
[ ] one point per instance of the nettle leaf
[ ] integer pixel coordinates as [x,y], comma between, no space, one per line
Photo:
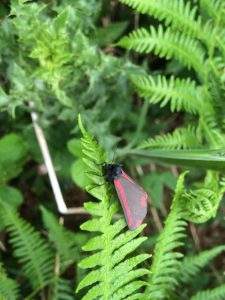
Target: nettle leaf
[13,155]
[60,21]
[111,245]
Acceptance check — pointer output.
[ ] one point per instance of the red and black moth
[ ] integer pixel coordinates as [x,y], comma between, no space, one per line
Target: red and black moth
[132,196]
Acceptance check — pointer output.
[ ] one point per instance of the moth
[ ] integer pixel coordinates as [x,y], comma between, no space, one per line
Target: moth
[132,196]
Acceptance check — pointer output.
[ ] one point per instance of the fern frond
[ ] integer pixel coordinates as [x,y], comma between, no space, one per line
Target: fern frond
[177,13]
[63,240]
[61,290]
[201,204]
[8,287]
[167,44]
[217,293]
[31,250]
[165,260]
[192,265]
[110,245]
[181,138]
[213,9]
[183,94]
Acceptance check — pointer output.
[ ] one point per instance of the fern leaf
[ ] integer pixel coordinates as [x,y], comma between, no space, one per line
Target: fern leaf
[201,204]
[111,244]
[167,44]
[181,138]
[63,240]
[213,9]
[8,287]
[165,260]
[191,265]
[213,294]
[177,13]
[183,94]
[61,289]
[30,249]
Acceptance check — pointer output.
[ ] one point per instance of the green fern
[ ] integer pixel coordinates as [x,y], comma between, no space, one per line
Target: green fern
[61,289]
[110,245]
[184,138]
[64,241]
[30,249]
[201,204]
[165,260]
[167,44]
[192,265]
[183,94]
[177,13]
[214,8]
[213,294]
[8,287]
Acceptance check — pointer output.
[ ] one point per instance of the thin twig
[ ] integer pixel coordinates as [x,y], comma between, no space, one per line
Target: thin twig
[62,208]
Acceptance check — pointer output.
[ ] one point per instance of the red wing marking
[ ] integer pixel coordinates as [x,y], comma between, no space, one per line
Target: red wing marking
[128,178]
[144,200]
[124,200]
[138,223]
[133,200]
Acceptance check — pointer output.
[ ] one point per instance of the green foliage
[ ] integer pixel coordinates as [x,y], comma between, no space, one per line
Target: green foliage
[182,94]
[213,294]
[52,58]
[202,204]
[13,154]
[181,138]
[186,46]
[167,44]
[192,265]
[8,287]
[29,248]
[111,245]
[65,242]
[154,184]
[165,260]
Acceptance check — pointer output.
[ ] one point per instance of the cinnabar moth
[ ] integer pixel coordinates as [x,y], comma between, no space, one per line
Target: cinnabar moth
[132,196]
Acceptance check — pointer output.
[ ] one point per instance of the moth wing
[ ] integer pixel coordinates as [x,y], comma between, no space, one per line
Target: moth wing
[133,200]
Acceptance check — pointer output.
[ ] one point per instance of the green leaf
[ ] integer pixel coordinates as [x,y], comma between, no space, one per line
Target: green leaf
[199,158]
[13,155]
[75,147]
[10,196]
[61,19]
[106,35]
[78,175]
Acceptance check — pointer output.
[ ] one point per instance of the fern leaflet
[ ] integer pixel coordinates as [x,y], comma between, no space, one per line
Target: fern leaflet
[201,204]
[191,265]
[61,289]
[8,287]
[183,94]
[167,44]
[30,249]
[181,138]
[213,8]
[177,13]
[111,245]
[213,294]
[63,240]
[165,261]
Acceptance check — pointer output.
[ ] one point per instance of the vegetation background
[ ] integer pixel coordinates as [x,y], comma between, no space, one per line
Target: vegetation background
[144,77]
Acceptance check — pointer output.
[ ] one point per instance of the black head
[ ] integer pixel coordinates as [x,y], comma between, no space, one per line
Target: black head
[112,171]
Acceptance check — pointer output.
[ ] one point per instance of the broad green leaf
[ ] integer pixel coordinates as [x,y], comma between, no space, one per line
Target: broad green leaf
[213,159]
